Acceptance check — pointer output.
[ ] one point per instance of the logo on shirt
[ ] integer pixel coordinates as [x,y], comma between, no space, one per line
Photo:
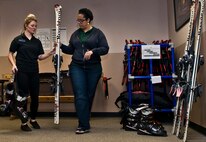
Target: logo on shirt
[22,40]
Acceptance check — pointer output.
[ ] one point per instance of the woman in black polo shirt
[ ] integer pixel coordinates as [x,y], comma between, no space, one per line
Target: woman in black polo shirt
[29,50]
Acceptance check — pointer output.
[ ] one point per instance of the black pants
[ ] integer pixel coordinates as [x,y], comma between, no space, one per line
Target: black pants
[28,85]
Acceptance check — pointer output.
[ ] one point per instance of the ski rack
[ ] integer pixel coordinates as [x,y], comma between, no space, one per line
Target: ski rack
[148,77]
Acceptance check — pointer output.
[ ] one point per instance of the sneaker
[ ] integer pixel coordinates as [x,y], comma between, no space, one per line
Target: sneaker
[34,124]
[80,130]
[26,128]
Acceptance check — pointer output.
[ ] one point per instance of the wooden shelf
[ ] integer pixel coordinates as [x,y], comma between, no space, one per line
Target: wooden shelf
[50,99]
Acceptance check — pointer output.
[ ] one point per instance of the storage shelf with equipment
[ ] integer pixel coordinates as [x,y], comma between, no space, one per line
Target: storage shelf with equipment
[150,68]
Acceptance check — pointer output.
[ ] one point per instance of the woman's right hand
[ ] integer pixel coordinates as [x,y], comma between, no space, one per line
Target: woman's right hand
[52,52]
[14,69]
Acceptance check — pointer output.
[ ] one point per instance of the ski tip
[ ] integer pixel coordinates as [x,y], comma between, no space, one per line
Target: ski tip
[57,5]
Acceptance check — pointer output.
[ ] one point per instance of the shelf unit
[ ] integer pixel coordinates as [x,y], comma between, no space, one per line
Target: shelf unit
[150,75]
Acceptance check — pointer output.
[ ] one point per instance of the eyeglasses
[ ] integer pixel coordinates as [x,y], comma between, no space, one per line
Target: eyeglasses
[80,20]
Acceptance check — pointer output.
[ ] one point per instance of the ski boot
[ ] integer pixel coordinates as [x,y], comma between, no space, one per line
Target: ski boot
[131,120]
[18,108]
[3,109]
[131,117]
[148,126]
[10,95]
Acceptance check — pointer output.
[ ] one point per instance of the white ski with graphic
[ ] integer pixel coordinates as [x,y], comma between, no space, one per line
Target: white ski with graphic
[58,62]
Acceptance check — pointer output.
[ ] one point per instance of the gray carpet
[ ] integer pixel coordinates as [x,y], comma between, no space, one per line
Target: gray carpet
[104,129]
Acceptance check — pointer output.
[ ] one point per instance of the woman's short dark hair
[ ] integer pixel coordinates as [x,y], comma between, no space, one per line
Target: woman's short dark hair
[87,13]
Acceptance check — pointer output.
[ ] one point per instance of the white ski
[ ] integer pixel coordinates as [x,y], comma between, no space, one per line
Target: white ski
[58,62]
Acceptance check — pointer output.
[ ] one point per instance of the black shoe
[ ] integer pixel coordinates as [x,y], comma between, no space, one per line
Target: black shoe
[80,130]
[35,125]
[26,128]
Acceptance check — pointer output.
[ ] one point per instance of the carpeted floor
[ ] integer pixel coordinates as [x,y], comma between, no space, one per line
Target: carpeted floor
[104,129]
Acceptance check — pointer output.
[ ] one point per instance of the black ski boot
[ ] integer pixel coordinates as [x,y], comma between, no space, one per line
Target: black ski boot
[131,120]
[148,126]
[18,108]
[132,117]
[10,96]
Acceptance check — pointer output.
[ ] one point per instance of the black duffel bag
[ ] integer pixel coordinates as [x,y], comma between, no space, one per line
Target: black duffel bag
[138,97]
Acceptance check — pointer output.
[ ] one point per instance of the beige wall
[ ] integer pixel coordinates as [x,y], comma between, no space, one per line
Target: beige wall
[118,19]
[198,114]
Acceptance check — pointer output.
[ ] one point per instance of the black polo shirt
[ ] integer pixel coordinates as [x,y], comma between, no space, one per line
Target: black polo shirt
[27,53]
